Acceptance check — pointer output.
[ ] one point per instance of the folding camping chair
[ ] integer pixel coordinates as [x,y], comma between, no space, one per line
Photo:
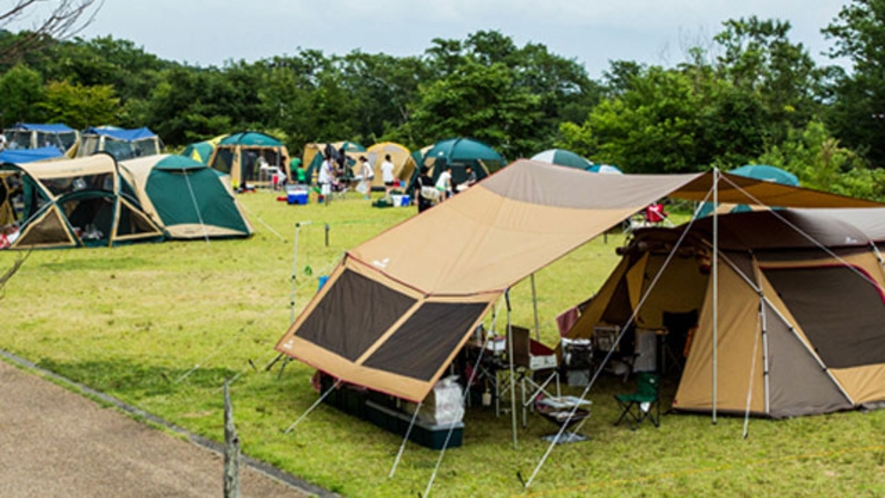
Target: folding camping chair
[535,369]
[639,405]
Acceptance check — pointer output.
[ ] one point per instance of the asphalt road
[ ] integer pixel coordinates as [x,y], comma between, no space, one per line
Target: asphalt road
[56,443]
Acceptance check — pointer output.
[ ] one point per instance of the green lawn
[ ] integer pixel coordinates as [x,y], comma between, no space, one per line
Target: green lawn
[161,326]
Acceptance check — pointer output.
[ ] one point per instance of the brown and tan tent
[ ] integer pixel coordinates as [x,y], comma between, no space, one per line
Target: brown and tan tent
[800,309]
[398,308]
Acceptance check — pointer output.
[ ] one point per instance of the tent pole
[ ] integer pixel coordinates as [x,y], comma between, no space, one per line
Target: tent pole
[760,321]
[512,373]
[294,276]
[715,262]
[535,305]
[190,189]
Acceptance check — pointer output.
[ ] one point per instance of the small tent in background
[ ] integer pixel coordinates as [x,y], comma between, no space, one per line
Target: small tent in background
[312,157]
[187,198]
[24,156]
[605,169]
[800,309]
[202,151]
[250,157]
[75,203]
[460,153]
[563,157]
[757,172]
[120,143]
[403,163]
[35,136]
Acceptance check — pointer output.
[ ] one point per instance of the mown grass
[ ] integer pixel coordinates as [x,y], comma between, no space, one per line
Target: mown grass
[161,326]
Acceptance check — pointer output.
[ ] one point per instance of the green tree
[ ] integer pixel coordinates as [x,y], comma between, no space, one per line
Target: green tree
[21,88]
[79,106]
[820,162]
[759,60]
[480,102]
[857,115]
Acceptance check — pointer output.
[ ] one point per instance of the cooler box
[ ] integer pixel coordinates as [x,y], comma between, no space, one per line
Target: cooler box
[401,200]
[297,194]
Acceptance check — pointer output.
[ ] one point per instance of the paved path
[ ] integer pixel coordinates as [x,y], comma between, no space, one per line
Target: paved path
[56,443]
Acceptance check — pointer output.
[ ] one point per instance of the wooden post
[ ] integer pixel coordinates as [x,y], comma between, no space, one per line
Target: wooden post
[231,450]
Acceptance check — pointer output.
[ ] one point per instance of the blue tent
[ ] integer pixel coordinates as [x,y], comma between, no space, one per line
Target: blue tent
[121,143]
[21,156]
[121,134]
[34,136]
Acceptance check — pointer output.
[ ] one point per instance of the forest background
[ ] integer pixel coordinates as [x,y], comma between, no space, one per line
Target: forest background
[747,95]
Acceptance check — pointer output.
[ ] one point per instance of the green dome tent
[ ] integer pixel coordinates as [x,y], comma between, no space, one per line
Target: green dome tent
[563,157]
[202,151]
[248,157]
[189,199]
[460,153]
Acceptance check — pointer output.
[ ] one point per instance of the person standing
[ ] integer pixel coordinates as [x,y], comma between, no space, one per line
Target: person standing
[387,174]
[444,183]
[326,175]
[427,193]
[367,174]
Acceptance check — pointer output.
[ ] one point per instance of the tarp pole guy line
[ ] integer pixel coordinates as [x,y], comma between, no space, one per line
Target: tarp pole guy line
[463,399]
[227,343]
[314,405]
[611,350]
[263,222]
[402,447]
[196,206]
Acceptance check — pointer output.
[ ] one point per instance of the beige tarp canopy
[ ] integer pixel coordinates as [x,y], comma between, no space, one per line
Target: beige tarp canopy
[396,311]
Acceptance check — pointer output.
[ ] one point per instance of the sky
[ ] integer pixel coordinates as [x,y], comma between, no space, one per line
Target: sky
[592,32]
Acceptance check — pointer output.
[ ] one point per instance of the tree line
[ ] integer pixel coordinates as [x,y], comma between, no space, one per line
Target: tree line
[752,95]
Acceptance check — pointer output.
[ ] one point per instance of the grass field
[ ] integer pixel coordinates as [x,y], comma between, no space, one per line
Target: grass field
[161,326]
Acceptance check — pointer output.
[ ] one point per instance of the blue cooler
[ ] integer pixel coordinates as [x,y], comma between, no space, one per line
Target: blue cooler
[297,194]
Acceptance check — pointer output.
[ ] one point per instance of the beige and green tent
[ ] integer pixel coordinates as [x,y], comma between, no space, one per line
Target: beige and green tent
[187,198]
[403,162]
[800,309]
[75,203]
[399,307]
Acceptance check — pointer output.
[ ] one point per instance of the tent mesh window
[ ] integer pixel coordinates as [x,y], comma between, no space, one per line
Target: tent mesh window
[423,344]
[839,309]
[344,322]
[63,186]
[224,160]
[132,222]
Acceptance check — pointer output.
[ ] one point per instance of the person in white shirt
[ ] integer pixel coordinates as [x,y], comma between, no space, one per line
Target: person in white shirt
[367,174]
[387,174]
[444,184]
[325,178]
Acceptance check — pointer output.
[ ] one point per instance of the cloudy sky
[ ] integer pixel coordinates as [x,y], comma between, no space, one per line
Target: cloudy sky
[211,32]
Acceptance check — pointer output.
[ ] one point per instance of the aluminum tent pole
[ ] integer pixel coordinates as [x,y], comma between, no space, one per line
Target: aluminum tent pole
[512,373]
[715,263]
[535,305]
